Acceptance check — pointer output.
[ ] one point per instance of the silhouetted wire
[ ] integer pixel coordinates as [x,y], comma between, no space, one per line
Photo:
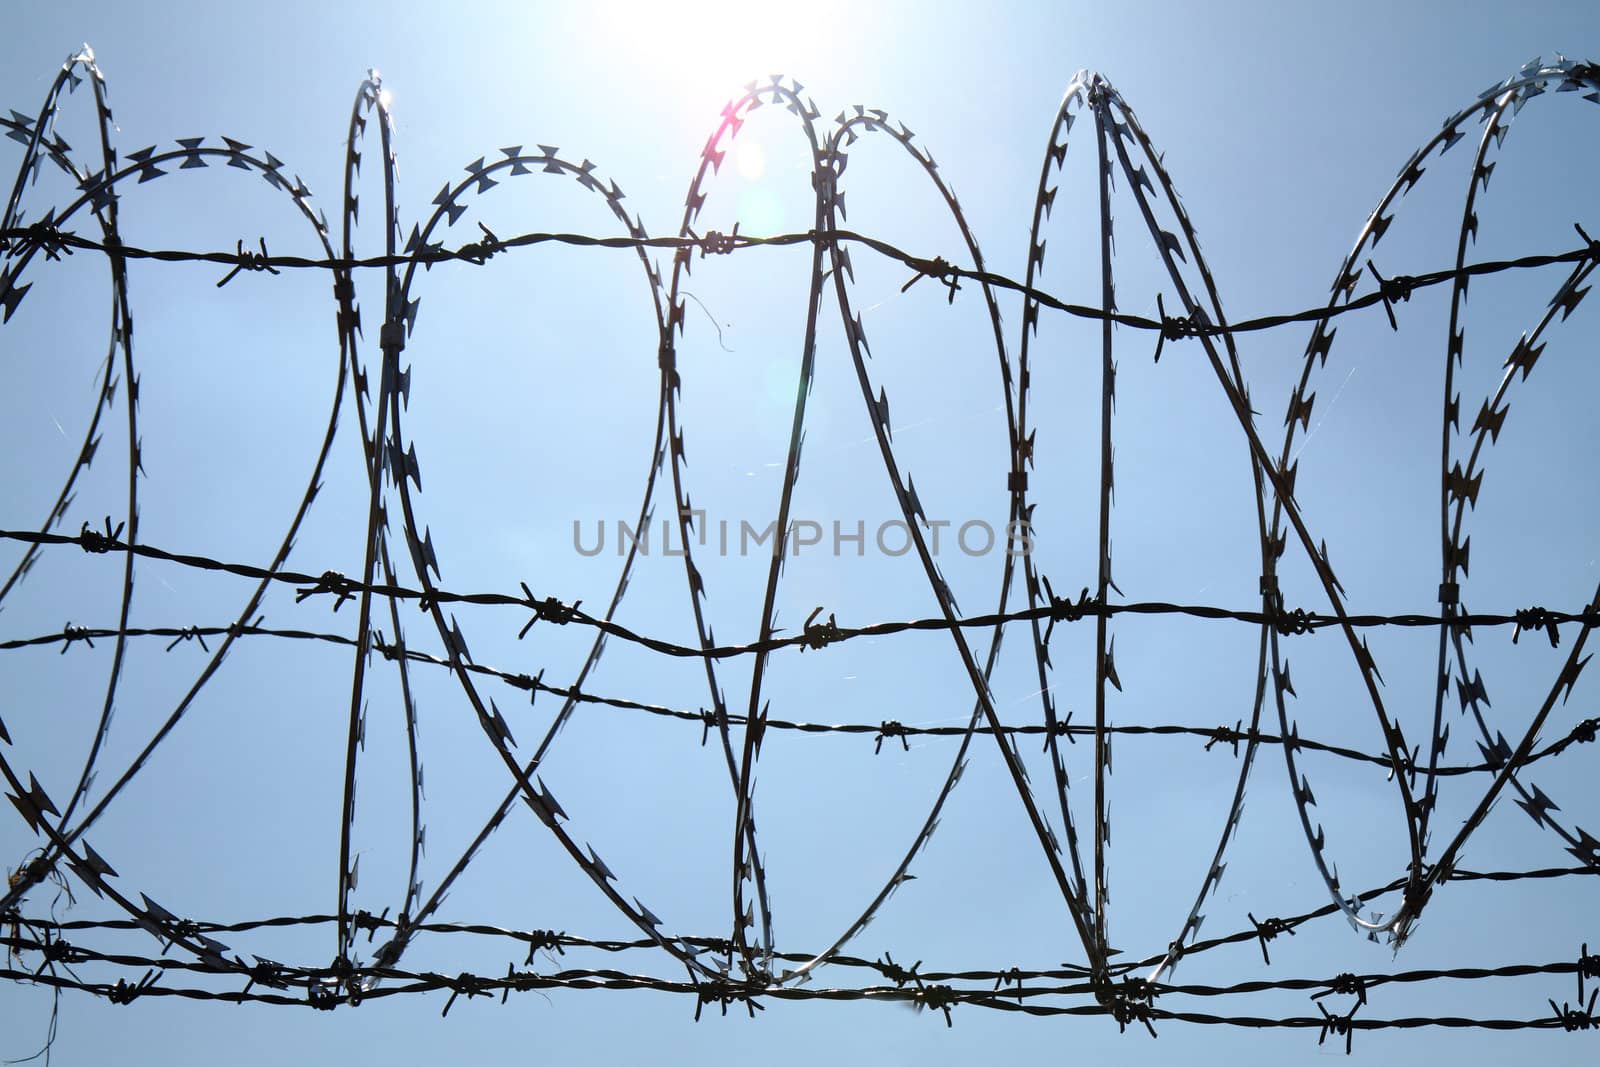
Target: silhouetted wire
[1107,980]
[45,235]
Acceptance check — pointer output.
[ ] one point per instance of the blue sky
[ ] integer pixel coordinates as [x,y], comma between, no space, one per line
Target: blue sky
[533,408]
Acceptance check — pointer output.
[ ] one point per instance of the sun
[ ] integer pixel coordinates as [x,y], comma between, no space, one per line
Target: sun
[701,52]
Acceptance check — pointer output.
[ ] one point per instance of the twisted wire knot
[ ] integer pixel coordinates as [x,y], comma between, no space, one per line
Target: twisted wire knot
[330,582]
[1391,290]
[1536,618]
[937,997]
[1346,983]
[890,728]
[1399,287]
[464,985]
[820,634]
[724,993]
[897,974]
[709,718]
[244,259]
[1266,930]
[1338,1026]
[365,920]
[1173,328]
[717,243]
[1579,1018]
[44,235]
[99,543]
[322,996]
[480,252]
[1229,735]
[1063,609]
[267,972]
[1291,623]
[1594,245]
[73,633]
[939,268]
[1013,976]
[57,950]
[1128,1002]
[123,993]
[1588,967]
[1060,728]
[549,608]
[191,633]
[548,940]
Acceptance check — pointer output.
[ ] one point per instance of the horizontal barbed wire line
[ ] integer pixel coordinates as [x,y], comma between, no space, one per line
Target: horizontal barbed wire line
[933,997]
[63,952]
[1583,732]
[1265,930]
[1390,291]
[57,949]
[815,635]
[1130,1000]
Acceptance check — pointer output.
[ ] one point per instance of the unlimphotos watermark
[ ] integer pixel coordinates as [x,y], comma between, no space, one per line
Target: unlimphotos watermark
[892,537]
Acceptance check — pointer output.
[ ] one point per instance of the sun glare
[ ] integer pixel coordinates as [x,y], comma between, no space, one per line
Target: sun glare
[750,159]
[705,50]
[699,54]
